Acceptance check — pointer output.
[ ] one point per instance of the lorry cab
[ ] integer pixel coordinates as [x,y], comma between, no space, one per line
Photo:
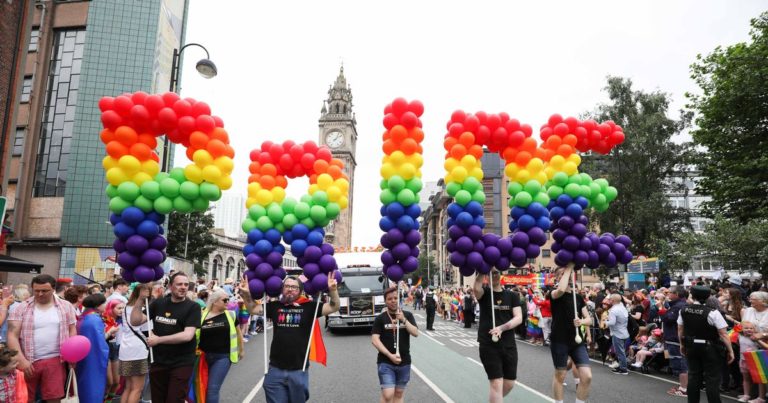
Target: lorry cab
[361,297]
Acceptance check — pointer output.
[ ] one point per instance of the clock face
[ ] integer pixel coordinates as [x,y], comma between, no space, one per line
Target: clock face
[334,139]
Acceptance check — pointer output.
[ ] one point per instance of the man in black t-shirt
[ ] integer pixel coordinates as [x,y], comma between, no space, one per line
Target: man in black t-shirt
[172,338]
[563,337]
[393,360]
[498,351]
[292,319]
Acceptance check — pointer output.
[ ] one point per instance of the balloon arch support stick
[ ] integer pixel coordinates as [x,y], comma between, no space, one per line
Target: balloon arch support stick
[264,325]
[397,324]
[493,309]
[149,325]
[575,307]
[311,332]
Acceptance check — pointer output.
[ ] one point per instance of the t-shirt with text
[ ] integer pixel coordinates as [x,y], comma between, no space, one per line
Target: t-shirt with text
[385,327]
[169,318]
[214,334]
[292,324]
[503,304]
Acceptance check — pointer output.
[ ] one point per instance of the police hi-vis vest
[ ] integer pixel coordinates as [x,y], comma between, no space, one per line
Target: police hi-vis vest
[695,323]
[233,350]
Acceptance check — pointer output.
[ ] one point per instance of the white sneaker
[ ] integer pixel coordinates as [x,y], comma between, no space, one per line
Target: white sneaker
[636,365]
[614,364]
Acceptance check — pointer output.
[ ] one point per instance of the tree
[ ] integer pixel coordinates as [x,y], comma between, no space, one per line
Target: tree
[422,272]
[643,168]
[742,247]
[190,238]
[732,124]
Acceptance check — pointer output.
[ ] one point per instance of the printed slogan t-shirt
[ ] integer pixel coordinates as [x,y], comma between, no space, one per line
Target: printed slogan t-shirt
[170,318]
[292,324]
[504,303]
[384,327]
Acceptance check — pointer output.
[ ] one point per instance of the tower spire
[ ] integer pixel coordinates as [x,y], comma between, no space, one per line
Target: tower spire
[339,102]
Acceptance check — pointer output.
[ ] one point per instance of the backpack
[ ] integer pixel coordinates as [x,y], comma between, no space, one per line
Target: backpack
[419,294]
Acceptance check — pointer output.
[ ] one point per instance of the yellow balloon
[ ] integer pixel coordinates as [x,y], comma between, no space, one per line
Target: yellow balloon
[264,197]
[202,158]
[418,173]
[535,165]
[278,194]
[449,178]
[141,177]
[387,170]
[324,180]
[541,177]
[407,171]
[570,168]
[108,163]
[477,173]
[557,162]
[150,167]
[253,188]
[225,182]
[575,158]
[417,160]
[334,193]
[211,173]
[313,188]
[343,202]
[511,170]
[250,202]
[225,164]
[550,172]
[342,184]
[116,176]
[468,161]
[460,174]
[129,164]
[523,176]
[397,157]
[450,163]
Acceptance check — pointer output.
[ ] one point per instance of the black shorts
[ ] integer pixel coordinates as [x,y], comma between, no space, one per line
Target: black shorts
[499,361]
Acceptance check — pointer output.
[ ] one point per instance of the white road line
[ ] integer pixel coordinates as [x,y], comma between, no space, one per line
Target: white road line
[432,386]
[419,315]
[522,385]
[429,337]
[254,391]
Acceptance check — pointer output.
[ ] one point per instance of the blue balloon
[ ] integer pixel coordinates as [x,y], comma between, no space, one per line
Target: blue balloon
[464,220]
[582,201]
[262,247]
[279,248]
[114,218]
[556,212]
[574,211]
[413,210]
[395,210]
[450,222]
[288,236]
[148,229]
[123,230]
[416,225]
[479,221]
[162,230]
[383,210]
[298,247]
[544,223]
[133,216]
[454,209]
[255,235]
[156,217]
[517,212]
[315,238]
[273,236]
[386,224]
[405,223]
[300,231]
[564,200]
[512,225]
[248,249]
[526,222]
[474,208]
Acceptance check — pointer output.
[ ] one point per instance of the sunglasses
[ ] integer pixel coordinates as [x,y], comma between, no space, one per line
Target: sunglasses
[225,300]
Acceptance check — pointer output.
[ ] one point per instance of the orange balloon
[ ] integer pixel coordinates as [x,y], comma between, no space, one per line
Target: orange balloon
[417,134]
[458,151]
[141,151]
[198,140]
[320,167]
[509,154]
[476,151]
[126,135]
[253,178]
[553,142]
[190,153]
[522,158]
[254,167]
[398,133]
[281,181]
[386,136]
[312,179]
[467,139]
[337,162]
[267,182]
[106,136]
[216,148]
[229,151]
[148,139]
[389,147]
[565,150]
[449,142]
[219,133]
[408,146]
[542,153]
[116,149]
[570,139]
[529,145]
[334,171]
[420,149]
[155,157]
[269,169]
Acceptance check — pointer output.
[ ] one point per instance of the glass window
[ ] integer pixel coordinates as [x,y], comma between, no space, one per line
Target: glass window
[34,38]
[59,113]
[18,141]
[26,89]
[546,253]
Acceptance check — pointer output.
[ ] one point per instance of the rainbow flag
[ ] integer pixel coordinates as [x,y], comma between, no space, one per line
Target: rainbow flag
[317,351]
[198,387]
[418,283]
[757,362]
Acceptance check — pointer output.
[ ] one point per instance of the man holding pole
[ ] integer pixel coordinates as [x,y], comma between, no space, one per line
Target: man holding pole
[500,312]
[174,319]
[293,318]
[391,337]
[565,341]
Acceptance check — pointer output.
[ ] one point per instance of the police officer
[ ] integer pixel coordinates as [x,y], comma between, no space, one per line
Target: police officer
[430,304]
[704,342]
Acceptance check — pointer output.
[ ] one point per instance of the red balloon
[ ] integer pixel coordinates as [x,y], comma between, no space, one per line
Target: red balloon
[286,162]
[295,150]
[200,108]
[455,129]
[516,139]
[416,107]
[388,109]
[512,125]
[561,129]
[527,129]
[186,125]
[170,98]
[111,119]
[458,116]
[154,103]
[483,135]
[409,120]
[139,97]
[554,119]
[265,158]
[482,117]
[390,121]
[471,123]
[310,147]
[205,123]
[572,123]
[140,114]
[324,154]
[265,146]
[307,161]
[276,151]
[399,106]
[182,108]
[123,105]
[167,117]
[218,121]
[106,103]
[546,131]
[493,122]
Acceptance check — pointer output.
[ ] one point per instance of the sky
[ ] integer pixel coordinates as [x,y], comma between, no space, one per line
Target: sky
[277,59]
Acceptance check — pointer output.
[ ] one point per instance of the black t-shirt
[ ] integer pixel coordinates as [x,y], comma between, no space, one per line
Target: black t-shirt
[385,328]
[292,324]
[504,302]
[214,334]
[170,318]
[639,309]
[563,330]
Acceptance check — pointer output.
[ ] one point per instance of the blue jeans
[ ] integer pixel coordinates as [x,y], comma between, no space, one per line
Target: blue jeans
[620,348]
[218,367]
[394,376]
[281,386]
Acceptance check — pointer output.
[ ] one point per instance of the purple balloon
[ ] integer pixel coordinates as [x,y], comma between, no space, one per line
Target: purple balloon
[118,245]
[410,264]
[280,272]
[143,274]
[490,239]
[583,220]
[606,240]
[401,251]
[556,246]
[386,241]
[571,243]
[300,261]
[517,255]
[520,239]
[474,232]
[579,230]
[532,251]
[563,257]
[395,272]
[311,270]
[308,289]
[504,245]
[327,264]
[320,282]
[491,254]
[457,259]
[327,249]
[395,235]
[479,246]
[159,273]
[624,240]
[256,287]
[464,245]
[275,259]
[387,259]
[263,271]
[565,222]
[273,286]
[559,234]
[450,245]
[610,260]
[466,271]
[127,275]
[136,244]
[474,260]
[152,257]
[312,254]
[593,260]
[128,260]
[484,268]
[626,257]
[537,236]
[337,275]
[603,251]
[502,263]
[250,275]
[580,257]
[455,232]
[618,249]
[412,238]
[158,242]
[594,238]
[253,260]
[585,244]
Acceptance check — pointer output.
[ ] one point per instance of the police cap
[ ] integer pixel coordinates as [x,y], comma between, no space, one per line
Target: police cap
[700,292]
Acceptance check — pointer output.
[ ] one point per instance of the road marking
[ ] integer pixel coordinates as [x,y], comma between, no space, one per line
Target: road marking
[522,385]
[419,315]
[254,391]
[432,386]
[429,337]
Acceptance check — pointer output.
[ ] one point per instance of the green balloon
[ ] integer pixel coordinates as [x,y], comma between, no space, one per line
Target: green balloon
[117,205]
[111,191]
[386,197]
[406,197]
[532,187]
[415,185]
[160,176]
[288,205]
[275,213]
[396,184]
[310,223]
[463,197]
[514,188]
[560,179]
[600,200]
[306,199]
[289,220]
[452,188]
[611,193]
[169,188]
[383,184]
[523,199]
[143,204]
[471,184]
[182,205]
[150,190]
[511,202]
[256,211]
[209,191]
[248,225]
[586,179]
[586,191]
[594,189]
[177,174]
[554,191]
[332,210]
[189,190]
[263,223]
[163,205]
[280,227]
[317,213]
[128,191]
[572,190]
[541,198]
[324,222]
[200,204]
[301,210]
[479,196]
[320,198]
[603,183]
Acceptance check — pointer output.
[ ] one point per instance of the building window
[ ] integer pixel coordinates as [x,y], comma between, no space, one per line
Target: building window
[26,88]
[18,141]
[34,38]
[546,253]
[59,113]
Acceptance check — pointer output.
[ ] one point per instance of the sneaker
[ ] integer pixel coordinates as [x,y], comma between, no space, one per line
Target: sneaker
[743,398]
[614,365]
[565,383]
[758,400]
[620,371]
[677,392]
[636,365]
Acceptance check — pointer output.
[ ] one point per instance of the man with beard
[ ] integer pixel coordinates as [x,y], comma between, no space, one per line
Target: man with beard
[292,317]
[394,365]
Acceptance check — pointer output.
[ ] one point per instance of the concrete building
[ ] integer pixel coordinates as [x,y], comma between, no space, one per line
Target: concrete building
[68,56]
[227,260]
[229,213]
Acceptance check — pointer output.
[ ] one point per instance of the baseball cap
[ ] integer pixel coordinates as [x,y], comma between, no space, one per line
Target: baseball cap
[735,279]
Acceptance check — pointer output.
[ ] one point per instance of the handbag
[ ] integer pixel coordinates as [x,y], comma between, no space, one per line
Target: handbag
[71,381]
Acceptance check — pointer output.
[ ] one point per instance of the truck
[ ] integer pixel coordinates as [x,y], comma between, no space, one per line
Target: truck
[361,297]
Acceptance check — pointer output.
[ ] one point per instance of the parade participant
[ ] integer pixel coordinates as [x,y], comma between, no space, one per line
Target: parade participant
[292,317]
[112,317]
[704,342]
[134,349]
[119,291]
[679,366]
[92,370]
[498,351]
[430,304]
[219,337]
[563,338]
[393,360]
[36,329]
[174,321]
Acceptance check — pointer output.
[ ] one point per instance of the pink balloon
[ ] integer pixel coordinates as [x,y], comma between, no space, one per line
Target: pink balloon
[75,349]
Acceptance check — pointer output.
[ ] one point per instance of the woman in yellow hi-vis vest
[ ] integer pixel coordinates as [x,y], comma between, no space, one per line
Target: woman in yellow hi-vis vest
[220,339]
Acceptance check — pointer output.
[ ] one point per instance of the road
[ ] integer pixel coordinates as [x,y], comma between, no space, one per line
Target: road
[446,367]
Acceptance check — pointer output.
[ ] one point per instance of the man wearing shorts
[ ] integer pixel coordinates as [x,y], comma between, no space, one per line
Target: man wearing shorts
[498,351]
[677,363]
[394,366]
[36,329]
[563,337]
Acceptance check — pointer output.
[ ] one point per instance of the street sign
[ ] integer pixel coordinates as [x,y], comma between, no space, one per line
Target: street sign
[644,265]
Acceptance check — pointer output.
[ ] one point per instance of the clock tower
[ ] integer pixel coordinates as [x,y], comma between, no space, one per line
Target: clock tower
[338,132]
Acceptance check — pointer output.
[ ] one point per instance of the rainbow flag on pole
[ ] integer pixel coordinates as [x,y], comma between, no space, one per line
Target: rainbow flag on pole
[757,362]
[317,352]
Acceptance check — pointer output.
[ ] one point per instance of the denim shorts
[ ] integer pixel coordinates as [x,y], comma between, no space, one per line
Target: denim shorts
[561,352]
[394,376]
[677,362]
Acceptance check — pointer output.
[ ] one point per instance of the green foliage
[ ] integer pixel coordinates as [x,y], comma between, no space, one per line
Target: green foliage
[732,124]
[421,272]
[193,231]
[737,246]
[642,168]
